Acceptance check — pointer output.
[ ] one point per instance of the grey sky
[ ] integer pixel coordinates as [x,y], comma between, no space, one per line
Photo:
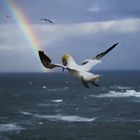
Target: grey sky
[82,28]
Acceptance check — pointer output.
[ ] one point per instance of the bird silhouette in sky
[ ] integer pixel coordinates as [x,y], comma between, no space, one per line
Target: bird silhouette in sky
[46,20]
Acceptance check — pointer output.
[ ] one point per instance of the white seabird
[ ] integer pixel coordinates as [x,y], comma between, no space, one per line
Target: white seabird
[80,71]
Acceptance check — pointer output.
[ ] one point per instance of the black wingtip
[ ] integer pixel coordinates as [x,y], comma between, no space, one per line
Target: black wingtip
[41,53]
[112,47]
[99,56]
[43,57]
[116,44]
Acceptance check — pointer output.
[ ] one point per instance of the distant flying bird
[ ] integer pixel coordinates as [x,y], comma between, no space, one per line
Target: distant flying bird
[46,20]
[80,71]
[8,16]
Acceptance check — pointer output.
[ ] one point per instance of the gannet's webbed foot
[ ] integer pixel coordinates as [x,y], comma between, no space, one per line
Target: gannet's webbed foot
[85,83]
[94,84]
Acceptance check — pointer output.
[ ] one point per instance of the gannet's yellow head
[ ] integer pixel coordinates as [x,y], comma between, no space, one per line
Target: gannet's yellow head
[66,59]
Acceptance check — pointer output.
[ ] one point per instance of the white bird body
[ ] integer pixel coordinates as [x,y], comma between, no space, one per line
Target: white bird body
[86,76]
[84,67]
[79,71]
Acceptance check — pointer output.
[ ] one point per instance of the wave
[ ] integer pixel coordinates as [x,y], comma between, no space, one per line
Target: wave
[59,117]
[53,89]
[57,101]
[44,104]
[121,87]
[126,93]
[10,127]
[30,83]
[25,113]
[44,87]
[66,88]
[58,89]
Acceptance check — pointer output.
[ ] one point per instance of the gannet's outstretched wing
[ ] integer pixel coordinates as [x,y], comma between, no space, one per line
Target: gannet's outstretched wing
[89,63]
[47,62]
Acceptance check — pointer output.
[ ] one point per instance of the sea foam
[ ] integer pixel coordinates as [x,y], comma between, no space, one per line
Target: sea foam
[126,93]
[10,127]
[121,87]
[57,101]
[59,117]
[58,89]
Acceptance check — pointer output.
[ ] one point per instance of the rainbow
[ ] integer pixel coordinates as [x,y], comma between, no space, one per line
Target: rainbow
[24,25]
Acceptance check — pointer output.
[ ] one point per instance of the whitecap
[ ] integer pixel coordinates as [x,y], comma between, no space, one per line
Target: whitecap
[76,108]
[25,113]
[10,127]
[85,97]
[121,87]
[58,89]
[57,101]
[44,87]
[126,93]
[40,123]
[59,117]
[30,82]
[66,88]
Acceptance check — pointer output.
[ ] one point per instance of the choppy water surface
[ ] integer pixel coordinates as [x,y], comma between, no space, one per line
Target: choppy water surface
[52,106]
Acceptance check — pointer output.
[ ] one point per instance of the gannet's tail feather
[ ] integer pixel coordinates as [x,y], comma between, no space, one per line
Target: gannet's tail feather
[89,78]
[47,62]
[85,83]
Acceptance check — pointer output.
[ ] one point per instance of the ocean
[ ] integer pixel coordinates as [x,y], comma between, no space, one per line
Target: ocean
[56,106]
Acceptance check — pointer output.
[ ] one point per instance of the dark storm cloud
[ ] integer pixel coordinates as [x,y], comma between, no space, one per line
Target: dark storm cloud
[68,11]
[116,9]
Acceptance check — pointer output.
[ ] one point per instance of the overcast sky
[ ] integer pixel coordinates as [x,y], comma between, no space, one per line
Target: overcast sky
[82,28]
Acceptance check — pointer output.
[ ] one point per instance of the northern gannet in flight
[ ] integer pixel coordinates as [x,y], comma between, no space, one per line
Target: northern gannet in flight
[46,20]
[80,71]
